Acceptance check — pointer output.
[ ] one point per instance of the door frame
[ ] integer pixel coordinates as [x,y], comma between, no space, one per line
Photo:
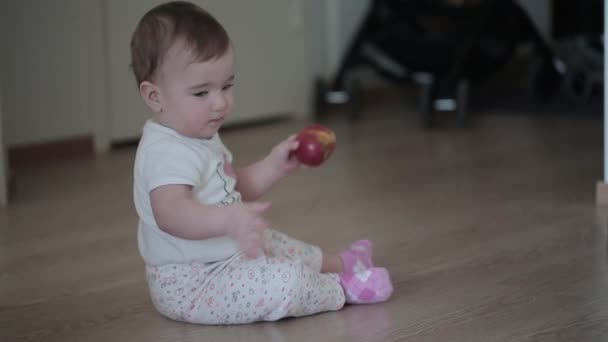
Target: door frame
[94,70]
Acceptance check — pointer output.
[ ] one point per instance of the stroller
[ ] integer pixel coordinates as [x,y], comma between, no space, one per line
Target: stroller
[578,30]
[444,46]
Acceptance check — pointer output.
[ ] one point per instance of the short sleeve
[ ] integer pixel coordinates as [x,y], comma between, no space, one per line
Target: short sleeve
[170,162]
[225,151]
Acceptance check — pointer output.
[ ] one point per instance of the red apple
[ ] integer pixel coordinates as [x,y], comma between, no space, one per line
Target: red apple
[317,143]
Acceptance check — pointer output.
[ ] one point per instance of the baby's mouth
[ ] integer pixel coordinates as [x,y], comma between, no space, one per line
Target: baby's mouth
[216,120]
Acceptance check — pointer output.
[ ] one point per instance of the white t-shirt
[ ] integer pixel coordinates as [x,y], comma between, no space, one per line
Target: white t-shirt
[165,157]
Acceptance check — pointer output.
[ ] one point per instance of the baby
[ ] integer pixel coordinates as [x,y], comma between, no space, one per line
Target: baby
[210,255]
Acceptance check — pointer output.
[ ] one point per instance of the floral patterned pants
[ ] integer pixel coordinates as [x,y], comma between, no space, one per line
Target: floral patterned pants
[286,282]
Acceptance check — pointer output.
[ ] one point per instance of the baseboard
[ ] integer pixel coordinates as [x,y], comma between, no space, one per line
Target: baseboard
[53,150]
[601,194]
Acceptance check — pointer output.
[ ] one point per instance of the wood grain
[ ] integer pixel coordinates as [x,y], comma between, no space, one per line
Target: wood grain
[491,233]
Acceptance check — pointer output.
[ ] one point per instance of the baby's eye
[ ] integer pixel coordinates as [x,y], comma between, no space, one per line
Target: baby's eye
[228,86]
[201,93]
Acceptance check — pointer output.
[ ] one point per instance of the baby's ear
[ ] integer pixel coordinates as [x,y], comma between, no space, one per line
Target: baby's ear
[150,93]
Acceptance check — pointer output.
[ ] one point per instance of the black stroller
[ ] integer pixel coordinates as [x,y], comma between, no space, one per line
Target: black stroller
[442,45]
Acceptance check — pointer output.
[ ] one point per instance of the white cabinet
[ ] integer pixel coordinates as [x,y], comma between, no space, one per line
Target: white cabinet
[272,59]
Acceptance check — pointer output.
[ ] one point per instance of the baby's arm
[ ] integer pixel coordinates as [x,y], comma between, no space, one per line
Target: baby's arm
[179,214]
[256,179]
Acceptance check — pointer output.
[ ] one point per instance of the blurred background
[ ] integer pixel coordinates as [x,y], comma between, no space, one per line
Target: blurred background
[470,141]
[66,87]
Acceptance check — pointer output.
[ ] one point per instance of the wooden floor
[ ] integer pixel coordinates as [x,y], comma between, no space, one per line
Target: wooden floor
[490,233]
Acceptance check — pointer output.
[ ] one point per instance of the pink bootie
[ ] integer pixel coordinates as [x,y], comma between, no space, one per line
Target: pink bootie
[358,257]
[370,286]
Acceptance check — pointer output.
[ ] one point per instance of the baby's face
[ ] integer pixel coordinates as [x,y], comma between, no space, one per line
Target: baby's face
[196,97]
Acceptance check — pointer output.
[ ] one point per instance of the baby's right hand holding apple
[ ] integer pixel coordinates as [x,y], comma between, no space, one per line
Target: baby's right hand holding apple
[246,226]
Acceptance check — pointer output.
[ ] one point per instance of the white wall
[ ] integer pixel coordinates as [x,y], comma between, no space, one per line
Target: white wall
[65,64]
[94,85]
[334,23]
[351,14]
[316,23]
[272,55]
[41,59]
[127,112]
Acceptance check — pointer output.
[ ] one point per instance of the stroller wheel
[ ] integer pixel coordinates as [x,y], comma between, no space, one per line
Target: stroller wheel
[578,85]
[546,80]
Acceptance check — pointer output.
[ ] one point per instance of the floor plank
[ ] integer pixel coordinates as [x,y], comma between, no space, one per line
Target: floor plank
[490,233]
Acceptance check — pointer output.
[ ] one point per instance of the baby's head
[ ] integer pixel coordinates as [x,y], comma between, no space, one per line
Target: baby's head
[183,63]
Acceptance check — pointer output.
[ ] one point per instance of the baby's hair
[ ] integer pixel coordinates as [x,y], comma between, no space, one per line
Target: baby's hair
[169,23]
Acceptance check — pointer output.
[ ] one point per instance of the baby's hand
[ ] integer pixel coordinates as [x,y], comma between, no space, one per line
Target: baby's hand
[246,226]
[283,156]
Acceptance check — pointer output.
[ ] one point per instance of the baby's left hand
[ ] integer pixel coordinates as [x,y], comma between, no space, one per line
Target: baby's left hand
[282,156]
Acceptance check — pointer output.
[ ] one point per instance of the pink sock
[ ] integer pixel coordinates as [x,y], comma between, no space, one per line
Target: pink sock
[367,287]
[358,257]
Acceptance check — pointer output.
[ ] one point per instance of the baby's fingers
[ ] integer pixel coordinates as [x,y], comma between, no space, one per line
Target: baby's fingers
[258,225]
[253,246]
[258,207]
[293,146]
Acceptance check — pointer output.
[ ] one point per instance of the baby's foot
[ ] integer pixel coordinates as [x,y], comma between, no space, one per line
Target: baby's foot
[358,257]
[367,287]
